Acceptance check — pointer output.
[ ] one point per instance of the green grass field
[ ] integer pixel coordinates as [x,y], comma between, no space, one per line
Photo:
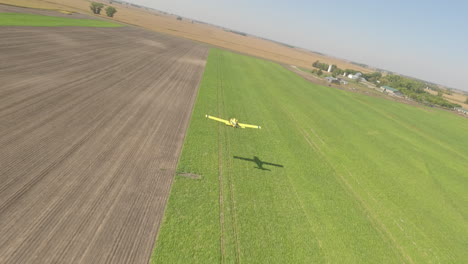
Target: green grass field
[364,179]
[20,19]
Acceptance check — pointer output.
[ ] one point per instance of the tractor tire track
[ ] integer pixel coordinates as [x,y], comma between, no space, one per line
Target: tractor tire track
[220,165]
[230,183]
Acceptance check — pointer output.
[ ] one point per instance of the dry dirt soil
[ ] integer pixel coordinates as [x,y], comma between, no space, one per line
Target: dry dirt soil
[35,8]
[92,121]
[213,35]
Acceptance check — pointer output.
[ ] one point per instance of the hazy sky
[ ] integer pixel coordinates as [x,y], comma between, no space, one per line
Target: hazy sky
[423,39]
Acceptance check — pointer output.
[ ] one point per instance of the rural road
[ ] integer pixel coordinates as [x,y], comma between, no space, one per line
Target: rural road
[92,121]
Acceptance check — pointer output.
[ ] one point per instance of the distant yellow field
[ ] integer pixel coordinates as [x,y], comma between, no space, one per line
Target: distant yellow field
[450,98]
[453,98]
[456,97]
[38,4]
[199,32]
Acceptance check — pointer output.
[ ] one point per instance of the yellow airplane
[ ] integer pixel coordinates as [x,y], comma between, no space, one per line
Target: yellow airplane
[232,122]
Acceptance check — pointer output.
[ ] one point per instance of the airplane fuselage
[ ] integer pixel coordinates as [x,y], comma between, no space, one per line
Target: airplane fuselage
[234,122]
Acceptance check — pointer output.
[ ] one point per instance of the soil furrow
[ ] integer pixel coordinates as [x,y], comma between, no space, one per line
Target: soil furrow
[91,126]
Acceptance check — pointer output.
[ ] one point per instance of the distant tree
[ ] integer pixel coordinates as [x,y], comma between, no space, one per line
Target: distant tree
[179,18]
[349,71]
[439,93]
[319,72]
[96,7]
[110,11]
[372,77]
[466,102]
[415,89]
[338,71]
[321,66]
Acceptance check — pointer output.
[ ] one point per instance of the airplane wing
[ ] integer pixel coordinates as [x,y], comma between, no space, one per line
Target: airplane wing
[218,119]
[250,126]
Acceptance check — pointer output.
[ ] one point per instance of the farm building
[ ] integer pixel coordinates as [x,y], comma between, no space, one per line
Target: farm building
[391,91]
[355,76]
[332,79]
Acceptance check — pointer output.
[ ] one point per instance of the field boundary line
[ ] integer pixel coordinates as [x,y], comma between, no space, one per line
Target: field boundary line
[173,179]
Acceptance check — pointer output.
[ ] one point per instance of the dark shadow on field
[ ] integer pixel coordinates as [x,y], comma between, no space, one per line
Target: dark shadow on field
[259,163]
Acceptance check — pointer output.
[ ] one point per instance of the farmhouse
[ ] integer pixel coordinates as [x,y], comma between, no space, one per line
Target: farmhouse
[391,91]
[355,76]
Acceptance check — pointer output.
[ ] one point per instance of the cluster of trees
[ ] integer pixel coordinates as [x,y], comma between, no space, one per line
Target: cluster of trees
[373,77]
[350,71]
[334,69]
[97,7]
[414,89]
[319,72]
[110,11]
[337,71]
[320,65]
[324,67]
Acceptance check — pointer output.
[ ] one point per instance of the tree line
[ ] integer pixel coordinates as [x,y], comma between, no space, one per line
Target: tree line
[97,7]
[415,89]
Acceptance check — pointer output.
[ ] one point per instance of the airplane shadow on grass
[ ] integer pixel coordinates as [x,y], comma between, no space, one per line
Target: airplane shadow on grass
[259,163]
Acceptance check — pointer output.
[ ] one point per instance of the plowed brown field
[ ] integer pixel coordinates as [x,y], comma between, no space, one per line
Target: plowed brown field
[205,33]
[91,125]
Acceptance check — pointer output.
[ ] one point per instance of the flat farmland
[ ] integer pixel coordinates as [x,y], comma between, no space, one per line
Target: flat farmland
[91,125]
[361,179]
[205,33]
[18,19]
